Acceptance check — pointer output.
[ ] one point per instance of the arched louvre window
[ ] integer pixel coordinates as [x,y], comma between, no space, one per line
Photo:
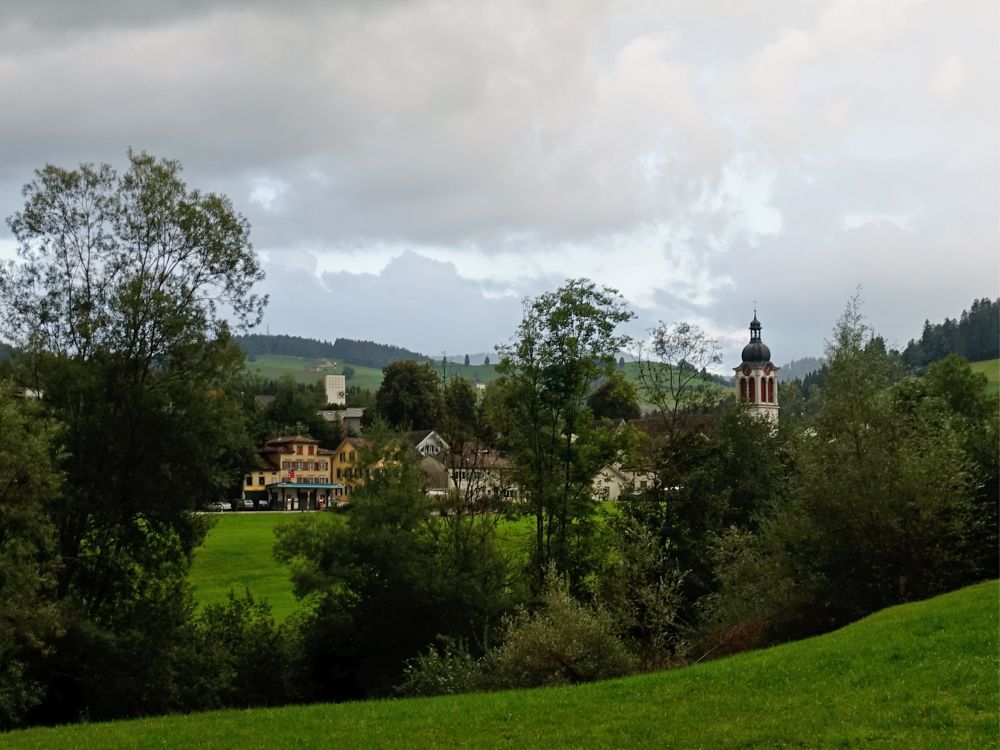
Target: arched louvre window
[770,389]
[743,389]
[751,390]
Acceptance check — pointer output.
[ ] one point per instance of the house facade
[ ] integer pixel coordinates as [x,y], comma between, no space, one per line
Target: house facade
[291,473]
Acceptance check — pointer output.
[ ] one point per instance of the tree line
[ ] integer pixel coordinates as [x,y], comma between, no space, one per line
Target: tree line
[973,336]
[740,533]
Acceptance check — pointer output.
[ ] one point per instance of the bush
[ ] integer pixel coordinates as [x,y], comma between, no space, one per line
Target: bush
[563,642]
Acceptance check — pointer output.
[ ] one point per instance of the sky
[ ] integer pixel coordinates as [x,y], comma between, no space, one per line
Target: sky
[412,171]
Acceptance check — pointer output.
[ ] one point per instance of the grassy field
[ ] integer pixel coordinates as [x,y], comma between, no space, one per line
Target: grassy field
[921,675]
[991,369]
[237,555]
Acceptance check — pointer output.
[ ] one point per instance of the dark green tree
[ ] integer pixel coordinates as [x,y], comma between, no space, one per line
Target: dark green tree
[615,398]
[116,305]
[566,340]
[466,360]
[30,617]
[389,581]
[880,509]
[410,396]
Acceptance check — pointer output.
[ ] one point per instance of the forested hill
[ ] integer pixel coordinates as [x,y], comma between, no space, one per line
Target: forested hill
[365,353]
[975,336]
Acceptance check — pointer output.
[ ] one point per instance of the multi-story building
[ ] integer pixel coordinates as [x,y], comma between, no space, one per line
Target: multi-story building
[346,464]
[336,389]
[292,473]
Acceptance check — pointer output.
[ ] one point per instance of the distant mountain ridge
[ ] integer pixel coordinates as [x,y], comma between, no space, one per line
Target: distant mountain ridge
[364,353]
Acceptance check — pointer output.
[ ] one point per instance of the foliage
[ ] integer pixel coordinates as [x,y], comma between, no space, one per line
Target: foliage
[880,509]
[919,676]
[295,411]
[567,339]
[389,581]
[116,305]
[446,670]
[615,398]
[232,655]
[974,336]
[640,587]
[561,643]
[671,377]
[409,396]
[30,618]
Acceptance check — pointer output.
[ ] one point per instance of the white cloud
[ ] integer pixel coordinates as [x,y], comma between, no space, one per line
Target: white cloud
[948,79]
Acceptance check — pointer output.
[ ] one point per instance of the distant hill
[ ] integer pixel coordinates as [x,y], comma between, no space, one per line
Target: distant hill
[364,353]
[797,369]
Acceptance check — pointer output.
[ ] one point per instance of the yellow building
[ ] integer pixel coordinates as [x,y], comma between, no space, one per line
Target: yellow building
[346,464]
[292,473]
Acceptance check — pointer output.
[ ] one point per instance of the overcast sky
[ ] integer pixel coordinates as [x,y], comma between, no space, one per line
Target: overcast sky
[412,170]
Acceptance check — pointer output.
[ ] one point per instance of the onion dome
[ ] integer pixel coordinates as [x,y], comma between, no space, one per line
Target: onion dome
[756,352]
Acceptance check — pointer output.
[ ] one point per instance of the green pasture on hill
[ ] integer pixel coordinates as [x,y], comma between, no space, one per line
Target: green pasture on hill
[921,675]
[277,366]
[238,555]
[991,369]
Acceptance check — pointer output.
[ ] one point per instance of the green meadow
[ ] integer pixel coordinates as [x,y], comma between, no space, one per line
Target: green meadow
[921,675]
[238,555]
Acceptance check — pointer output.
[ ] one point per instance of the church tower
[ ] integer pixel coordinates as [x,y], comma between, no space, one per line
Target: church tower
[756,378]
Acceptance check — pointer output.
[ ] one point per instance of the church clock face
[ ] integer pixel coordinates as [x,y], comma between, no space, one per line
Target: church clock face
[747,369]
[767,368]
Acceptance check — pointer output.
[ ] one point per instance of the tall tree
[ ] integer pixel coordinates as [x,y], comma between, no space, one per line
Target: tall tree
[119,305]
[410,396]
[567,339]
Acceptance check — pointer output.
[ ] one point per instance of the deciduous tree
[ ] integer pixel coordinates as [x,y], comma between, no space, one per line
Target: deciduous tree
[567,339]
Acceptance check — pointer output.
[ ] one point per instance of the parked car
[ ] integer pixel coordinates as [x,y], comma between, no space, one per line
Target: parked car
[263,505]
[245,504]
[219,506]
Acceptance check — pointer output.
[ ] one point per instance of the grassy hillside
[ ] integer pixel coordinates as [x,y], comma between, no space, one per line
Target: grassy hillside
[915,676]
[991,369]
[277,366]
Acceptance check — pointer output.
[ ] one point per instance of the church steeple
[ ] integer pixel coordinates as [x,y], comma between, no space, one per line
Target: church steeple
[756,377]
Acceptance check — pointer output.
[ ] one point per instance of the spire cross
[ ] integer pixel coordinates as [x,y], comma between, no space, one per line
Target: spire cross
[755,308]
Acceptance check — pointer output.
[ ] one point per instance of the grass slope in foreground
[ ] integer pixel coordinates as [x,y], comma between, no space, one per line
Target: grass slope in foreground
[918,675]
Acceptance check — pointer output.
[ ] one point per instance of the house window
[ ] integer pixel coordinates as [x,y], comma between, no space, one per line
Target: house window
[312,450]
[298,450]
[247,479]
[338,473]
[343,457]
[260,480]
